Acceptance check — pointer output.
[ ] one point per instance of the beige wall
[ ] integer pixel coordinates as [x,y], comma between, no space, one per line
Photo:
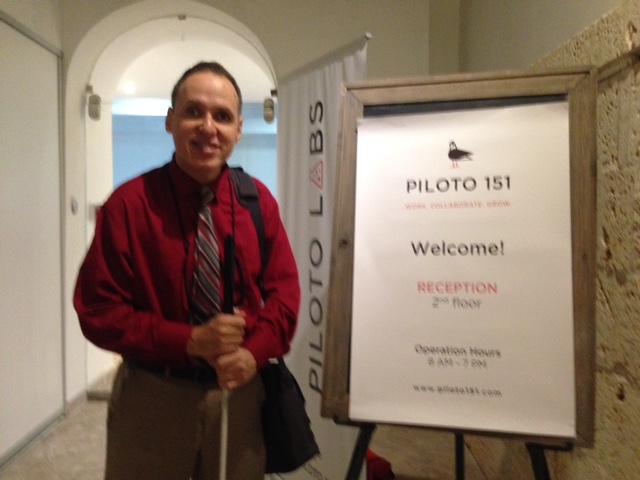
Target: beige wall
[410,38]
[444,37]
[295,32]
[41,17]
[512,34]
[616,454]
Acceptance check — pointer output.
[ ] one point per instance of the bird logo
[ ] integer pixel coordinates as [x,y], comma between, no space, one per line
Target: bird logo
[456,154]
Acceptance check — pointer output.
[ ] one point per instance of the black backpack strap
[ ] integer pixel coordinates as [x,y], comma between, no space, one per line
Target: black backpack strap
[247,194]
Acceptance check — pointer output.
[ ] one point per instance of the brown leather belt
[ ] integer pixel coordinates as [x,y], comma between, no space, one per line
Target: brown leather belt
[197,374]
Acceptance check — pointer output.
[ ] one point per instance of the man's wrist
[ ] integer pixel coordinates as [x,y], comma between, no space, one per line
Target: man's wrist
[192,343]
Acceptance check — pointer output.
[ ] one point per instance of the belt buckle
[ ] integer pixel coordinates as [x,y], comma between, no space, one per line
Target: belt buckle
[205,374]
[174,374]
[199,374]
[195,374]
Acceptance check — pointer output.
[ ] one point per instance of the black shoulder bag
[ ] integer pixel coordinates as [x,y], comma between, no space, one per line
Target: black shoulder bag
[288,438]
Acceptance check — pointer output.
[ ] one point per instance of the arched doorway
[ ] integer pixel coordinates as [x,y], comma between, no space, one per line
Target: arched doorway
[149,44]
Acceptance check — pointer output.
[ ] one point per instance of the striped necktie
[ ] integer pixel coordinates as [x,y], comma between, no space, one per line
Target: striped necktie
[205,297]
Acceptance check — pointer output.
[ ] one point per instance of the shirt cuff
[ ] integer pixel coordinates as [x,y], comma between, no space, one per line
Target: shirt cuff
[172,342]
[259,350]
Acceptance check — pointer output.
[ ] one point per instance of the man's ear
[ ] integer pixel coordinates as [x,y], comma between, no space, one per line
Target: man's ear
[167,120]
[239,132]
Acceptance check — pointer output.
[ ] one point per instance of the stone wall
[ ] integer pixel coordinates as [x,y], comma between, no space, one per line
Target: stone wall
[616,453]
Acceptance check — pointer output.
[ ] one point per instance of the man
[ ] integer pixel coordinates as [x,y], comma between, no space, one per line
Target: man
[135,295]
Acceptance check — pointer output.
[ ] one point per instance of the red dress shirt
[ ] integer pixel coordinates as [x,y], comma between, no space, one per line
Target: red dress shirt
[131,292]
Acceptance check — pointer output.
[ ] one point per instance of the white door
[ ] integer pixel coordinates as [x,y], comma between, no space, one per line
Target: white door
[31,374]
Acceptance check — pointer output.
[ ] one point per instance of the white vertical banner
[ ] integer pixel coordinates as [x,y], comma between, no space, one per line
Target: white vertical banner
[308,121]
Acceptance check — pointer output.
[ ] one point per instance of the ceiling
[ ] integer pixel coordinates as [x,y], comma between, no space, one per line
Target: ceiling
[146,62]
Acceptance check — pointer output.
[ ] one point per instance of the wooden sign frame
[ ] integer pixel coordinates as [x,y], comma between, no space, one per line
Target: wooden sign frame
[579,86]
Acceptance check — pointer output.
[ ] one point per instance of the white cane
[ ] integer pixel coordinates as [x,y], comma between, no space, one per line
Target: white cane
[224,433]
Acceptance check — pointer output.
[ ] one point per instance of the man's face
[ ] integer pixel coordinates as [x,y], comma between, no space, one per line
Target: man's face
[205,124]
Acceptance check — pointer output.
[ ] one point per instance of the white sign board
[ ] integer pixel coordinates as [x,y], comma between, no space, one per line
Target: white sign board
[462,284]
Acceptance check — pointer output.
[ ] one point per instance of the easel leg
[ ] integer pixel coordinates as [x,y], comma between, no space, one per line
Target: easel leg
[360,451]
[538,462]
[459,456]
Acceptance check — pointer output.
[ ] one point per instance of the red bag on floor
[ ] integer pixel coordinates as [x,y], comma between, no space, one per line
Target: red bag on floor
[378,468]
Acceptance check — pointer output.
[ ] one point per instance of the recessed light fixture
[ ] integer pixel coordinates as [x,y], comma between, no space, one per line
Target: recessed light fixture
[129,88]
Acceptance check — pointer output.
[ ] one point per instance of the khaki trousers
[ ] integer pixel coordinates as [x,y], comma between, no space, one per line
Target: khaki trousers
[167,429]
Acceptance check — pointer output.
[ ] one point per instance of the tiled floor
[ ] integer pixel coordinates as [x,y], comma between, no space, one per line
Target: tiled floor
[421,454]
[74,449]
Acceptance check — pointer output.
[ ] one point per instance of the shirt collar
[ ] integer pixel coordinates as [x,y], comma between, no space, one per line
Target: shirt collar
[184,184]
[187,186]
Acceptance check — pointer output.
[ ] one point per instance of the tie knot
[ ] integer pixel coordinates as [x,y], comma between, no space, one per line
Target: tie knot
[206,195]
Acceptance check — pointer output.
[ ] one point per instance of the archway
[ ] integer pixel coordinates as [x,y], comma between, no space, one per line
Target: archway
[128,40]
